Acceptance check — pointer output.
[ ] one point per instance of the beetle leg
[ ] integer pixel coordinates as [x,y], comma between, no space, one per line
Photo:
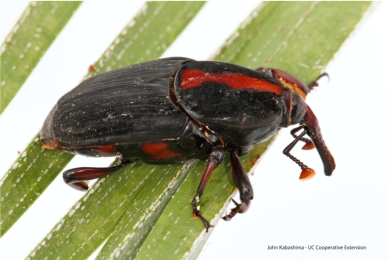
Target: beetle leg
[243,184]
[313,130]
[306,173]
[314,83]
[77,178]
[308,143]
[214,159]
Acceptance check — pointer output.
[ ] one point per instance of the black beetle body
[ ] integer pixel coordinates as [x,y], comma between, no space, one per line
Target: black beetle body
[175,109]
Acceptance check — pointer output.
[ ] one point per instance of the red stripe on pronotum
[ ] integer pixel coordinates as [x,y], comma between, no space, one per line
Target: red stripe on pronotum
[194,78]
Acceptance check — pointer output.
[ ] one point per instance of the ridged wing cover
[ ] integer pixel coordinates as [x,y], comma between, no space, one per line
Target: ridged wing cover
[127,105]
[241,105]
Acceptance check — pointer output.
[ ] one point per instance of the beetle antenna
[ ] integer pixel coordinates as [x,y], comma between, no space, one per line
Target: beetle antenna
[306,173]
[314,83]
[308,143]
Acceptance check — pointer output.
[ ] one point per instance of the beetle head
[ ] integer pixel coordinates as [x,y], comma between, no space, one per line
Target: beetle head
[302,113]
[312,126]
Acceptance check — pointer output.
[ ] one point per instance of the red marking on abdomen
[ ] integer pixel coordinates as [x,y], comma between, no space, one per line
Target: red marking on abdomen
[194,78]
[106,150]
[159,150]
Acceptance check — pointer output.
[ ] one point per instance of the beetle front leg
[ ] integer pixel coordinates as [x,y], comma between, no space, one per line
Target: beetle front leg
[306,173]
[77,178]
[242,182]
[214,159]
[314,83]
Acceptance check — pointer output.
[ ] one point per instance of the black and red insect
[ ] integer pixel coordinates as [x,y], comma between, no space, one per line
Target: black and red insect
[175,109]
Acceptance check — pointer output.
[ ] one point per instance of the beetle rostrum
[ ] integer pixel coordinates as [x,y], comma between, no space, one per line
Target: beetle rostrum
[172,110]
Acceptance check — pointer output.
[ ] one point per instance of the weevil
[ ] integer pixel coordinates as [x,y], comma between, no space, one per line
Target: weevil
[172,110]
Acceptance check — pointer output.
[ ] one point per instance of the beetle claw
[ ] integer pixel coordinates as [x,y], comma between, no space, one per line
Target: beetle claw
[197,214]
[70,179]
[314,83]
[236,203]
[81,186]
[240,208]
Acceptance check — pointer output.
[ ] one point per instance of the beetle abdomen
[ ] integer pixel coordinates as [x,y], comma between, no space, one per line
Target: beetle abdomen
[120,106]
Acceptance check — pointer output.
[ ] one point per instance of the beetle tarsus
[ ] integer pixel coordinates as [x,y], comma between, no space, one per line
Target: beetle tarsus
[240,208]
[77,178]
[197,214]
[242,182]
[314,83]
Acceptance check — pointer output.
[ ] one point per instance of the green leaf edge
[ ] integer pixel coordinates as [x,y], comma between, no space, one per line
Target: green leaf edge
[288,70]
[28,41]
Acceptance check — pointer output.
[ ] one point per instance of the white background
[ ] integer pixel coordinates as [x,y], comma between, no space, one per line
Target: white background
[349,208]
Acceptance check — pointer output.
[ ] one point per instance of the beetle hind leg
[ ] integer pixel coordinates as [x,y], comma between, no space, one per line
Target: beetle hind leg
[243,184]
[214,159]
[78,178]
[306,173]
